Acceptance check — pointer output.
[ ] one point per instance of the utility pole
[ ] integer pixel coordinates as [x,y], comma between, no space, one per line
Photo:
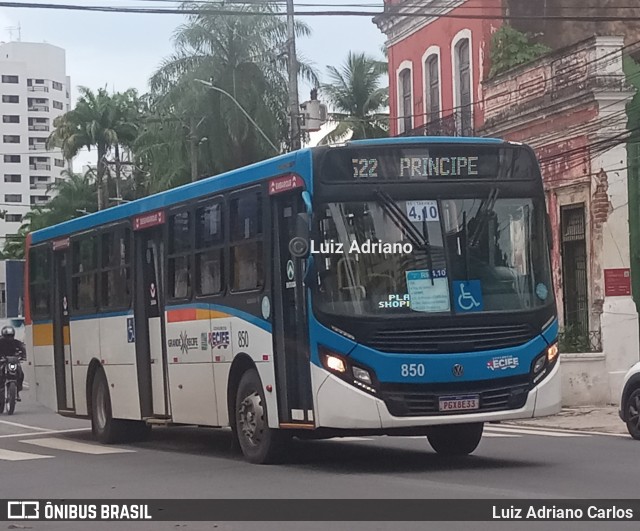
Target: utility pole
[294,105]
[193,144]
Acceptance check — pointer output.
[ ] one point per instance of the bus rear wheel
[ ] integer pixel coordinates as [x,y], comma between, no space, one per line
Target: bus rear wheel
[104,427]
[455,439]
[259,443]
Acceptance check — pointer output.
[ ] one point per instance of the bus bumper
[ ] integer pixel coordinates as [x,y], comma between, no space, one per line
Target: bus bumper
[340,405]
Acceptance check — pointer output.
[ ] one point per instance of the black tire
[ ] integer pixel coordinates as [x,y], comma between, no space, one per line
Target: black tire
[455,439]
[104,427]
[632,413]
[12,393]
[259,443]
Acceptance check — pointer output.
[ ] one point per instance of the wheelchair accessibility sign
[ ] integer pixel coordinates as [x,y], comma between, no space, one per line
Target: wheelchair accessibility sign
[467,296]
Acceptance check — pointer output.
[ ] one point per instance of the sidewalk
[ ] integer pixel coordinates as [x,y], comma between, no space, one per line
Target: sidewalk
[600,419]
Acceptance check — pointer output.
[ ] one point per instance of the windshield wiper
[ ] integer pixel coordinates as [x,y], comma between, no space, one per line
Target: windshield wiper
[420,241]
[484,213]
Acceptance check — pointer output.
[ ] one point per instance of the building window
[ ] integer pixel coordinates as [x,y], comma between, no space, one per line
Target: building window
[463,87]
[13,218]
[37,200]
[432,84]
[56,86]
[11,139]
[10,79]
[59,163]
[8,98]
[12,178]
[10,119]
[12,198]
[406,122]
[58,105]
[179,260]
[12,158]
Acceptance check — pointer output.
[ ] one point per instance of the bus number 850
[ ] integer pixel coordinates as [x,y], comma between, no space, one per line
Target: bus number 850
[411,370]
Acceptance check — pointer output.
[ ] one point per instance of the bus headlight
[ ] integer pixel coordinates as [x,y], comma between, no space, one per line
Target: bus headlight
[362,375]
[539,364]
[552,353]
[335,363]
[542,365]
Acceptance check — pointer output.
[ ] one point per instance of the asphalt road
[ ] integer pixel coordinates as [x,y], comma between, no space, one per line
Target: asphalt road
[43,455]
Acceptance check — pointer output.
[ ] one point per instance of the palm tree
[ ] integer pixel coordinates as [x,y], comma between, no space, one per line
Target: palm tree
[358,99]
[194,129]
[98,120]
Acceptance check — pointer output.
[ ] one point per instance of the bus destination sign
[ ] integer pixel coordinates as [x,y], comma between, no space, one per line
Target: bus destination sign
[438,162]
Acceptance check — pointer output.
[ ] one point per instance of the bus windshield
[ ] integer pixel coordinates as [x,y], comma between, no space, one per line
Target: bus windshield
[456,256]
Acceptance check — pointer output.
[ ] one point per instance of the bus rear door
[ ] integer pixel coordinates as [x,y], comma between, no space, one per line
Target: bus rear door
[149,315]
[62,359]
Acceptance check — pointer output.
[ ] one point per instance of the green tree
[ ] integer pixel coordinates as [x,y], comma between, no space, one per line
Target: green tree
[99,120]
[510,48]
[192,130]
[358,99]
[75,196]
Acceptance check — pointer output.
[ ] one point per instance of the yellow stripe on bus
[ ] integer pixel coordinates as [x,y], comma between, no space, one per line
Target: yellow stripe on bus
[43,335]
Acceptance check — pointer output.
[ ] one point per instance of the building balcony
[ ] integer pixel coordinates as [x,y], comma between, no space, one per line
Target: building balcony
[40,166]
[39,202]
[39,108]
[38,127]
[39,186]
[38,88]
[456,124]
[37,147]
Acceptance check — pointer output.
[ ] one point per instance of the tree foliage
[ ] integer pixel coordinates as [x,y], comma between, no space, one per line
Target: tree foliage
[358,99]
[511,48]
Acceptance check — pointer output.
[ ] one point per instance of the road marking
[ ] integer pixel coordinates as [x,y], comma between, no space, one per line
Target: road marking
[540,433]
[565,430]
[506,435]
[50,432]
[74,446]
[16,425]
[353,439]
[10,455]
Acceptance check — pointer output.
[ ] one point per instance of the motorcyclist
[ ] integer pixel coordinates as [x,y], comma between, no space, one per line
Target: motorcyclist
[10,346]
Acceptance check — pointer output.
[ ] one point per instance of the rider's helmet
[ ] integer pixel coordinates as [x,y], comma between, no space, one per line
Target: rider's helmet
[8,332]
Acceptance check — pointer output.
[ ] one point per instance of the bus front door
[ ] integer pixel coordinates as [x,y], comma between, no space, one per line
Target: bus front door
[149,323]
[62,361]
[290,329]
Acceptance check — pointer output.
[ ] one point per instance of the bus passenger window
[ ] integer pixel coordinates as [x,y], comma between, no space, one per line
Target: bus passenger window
[247,269]
[179,263]
[209,250]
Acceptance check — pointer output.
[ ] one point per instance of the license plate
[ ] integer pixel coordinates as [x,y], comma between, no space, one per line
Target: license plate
[459,403]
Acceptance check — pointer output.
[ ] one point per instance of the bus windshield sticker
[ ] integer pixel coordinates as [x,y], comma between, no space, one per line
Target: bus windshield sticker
[423,211]
[395,301]
[467,295]
[427,294]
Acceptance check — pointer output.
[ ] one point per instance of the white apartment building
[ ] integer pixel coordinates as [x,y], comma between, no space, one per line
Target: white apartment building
[34,90]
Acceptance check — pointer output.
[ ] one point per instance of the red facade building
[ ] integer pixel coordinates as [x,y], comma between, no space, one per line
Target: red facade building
[437,63]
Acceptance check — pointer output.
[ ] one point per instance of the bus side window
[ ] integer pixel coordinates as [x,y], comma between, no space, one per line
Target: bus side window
[83,277]
[209,254]
[39,282]
[246,241]
[179,270]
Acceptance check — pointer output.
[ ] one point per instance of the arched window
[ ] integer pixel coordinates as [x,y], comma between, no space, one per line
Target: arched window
[463,87]
[432,84]
[406,109]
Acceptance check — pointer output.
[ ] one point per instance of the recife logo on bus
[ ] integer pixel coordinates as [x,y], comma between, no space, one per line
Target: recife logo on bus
[220,338]
[503,363]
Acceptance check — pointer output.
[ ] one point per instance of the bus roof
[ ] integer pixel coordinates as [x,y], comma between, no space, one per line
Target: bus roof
[246,175]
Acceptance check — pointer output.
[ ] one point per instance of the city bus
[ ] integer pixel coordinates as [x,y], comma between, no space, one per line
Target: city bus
[395,287]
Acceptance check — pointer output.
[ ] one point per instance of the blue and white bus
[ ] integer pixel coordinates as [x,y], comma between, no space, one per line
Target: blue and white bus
[384,287]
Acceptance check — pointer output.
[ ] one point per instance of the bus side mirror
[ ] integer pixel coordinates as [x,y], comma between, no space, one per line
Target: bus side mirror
[299,245]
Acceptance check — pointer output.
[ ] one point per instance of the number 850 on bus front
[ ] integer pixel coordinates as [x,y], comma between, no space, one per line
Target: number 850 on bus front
[412,370]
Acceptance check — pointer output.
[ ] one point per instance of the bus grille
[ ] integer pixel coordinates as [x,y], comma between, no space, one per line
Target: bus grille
[451,339]
[415,400]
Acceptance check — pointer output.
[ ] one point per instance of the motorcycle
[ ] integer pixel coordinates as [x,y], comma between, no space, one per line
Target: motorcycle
[9,376]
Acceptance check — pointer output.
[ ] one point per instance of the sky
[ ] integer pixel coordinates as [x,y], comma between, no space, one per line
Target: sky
[121,51]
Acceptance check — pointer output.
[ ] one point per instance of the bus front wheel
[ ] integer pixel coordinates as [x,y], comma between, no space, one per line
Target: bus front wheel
[259,443]
[455,439]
